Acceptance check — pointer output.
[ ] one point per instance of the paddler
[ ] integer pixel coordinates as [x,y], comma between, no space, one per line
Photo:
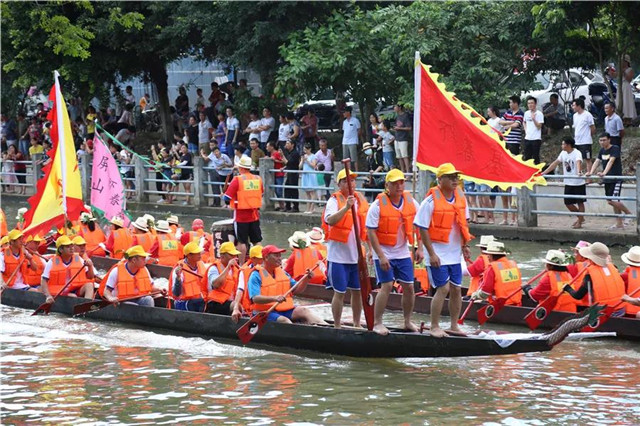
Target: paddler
[442,219]
[602,281]
[62,267]
[185,287]
[244,195]
[501,278]
[222,279]
[579,261]
[303,257]
[4,228]
[32,276]
[631,278]
[92,234]
[174,224]
[553,282]
[200,237]
[141,234]
[119,240]
[243,304]
[342,248]
[390,230]
[14,257]
[316,236]
[475,269]
[268,284]
[165,247]
[131,278]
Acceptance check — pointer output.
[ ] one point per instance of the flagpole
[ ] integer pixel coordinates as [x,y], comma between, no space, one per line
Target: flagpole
[416,118]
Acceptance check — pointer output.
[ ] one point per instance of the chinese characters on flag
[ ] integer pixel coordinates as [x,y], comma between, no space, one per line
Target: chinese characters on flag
[107,190]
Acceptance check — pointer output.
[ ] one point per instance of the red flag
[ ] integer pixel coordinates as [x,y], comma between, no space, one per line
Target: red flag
[447,130]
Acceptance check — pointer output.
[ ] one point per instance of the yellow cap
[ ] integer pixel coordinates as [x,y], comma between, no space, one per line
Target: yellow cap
[78,241]
[446,169]
[192,248]
[256,252]
[4,240]
[136,251]
[63,241]
[394,175]
[38,239]
[14,234]
[229,248]
[343,174]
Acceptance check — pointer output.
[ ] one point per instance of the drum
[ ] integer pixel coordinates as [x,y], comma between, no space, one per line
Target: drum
[221,232]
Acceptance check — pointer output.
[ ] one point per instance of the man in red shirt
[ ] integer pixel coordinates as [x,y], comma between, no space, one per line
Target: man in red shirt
[244,195]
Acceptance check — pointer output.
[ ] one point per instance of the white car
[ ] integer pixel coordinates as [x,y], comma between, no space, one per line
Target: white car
[562,83]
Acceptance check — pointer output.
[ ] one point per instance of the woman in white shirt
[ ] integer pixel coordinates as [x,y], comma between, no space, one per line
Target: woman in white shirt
[494,119]
[233,127]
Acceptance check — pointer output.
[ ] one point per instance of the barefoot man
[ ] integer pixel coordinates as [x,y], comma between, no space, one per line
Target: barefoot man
[442,219]
[390,229]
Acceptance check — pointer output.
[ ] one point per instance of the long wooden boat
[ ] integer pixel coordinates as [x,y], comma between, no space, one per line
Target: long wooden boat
[625,327]
[326,340]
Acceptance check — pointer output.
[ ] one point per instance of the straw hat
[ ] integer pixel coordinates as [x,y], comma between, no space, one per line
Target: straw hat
[86,217]
[245,162]
[581,244]
[151,221]
[495,247]
[141,224]
[21,212]
[299,239]
[117,221]
[632,257]
[596,252]
[366,145]
[556,257]
[163,226]
[173,220]
[484,240]
[316,235]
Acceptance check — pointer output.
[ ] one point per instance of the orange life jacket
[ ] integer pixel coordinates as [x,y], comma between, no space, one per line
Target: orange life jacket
[475,281]
[446,214]
[31,277]
[341,230]
[207,255]
[61,274]
[191,285]
[422,275]
[132,285]
[557,281]
[249,195]
[633,284]
[321,247]
[11,264]
[580,266]
[122,241]
[168,250]
[145,240]
[507,280]
[93,239]
[246,270]
[227,290]
[103,281]
[274,286]
[607,289]
[392,219]
[3,224]
[304,259]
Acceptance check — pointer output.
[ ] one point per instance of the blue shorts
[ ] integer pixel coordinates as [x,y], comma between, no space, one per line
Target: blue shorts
[273,316]
[193,305]
[341,276]
[446,273]
[401,270]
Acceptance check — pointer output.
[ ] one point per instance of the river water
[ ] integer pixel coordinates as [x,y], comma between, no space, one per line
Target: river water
[60,370]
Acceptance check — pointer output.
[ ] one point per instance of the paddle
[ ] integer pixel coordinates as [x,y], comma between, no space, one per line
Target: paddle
[46,307]
[471,302]
[608,311]
[540,312]
[363,269]
[96,305]
[256,322]
[488,311]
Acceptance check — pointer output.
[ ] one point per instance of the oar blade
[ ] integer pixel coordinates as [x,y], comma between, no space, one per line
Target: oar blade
[44,308]
[541,312]
[251,327]
[83,308]
[489,311]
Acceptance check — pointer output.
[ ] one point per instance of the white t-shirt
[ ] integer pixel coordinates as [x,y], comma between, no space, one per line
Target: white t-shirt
[346,253]
[532,133]
[401,249]
[283,132]
[495,123]
[387,141]
[449,253]
[254,125]
[264,134]
[19,280]
[47,268]
[582,128]
[232,123]
[350,128]
[112,279]
[203,131]
[570,166]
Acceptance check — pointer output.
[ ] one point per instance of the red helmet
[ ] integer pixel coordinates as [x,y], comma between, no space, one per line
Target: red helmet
[197,224]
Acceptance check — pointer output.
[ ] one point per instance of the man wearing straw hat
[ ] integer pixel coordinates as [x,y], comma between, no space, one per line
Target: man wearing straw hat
[631,278]
[316,236]
[501,278]
[602,281]
[303,257]
[166,247]
[442,219]
[141,234]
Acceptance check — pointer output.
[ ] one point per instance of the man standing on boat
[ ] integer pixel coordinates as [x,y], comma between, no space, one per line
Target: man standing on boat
[390,230]
[442,219]
[342,249]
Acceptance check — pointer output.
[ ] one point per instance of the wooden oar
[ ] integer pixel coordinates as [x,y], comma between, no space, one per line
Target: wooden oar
[606,314]
[363,269]
[46,307]
[256,322]
[488,311]
[540,312]
[96,305]
[471,302]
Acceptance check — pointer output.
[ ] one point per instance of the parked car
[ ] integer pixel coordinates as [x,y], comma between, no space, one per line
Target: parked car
[562,82]
[324,105]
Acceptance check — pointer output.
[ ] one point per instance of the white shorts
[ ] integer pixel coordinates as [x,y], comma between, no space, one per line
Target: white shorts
[402,149]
